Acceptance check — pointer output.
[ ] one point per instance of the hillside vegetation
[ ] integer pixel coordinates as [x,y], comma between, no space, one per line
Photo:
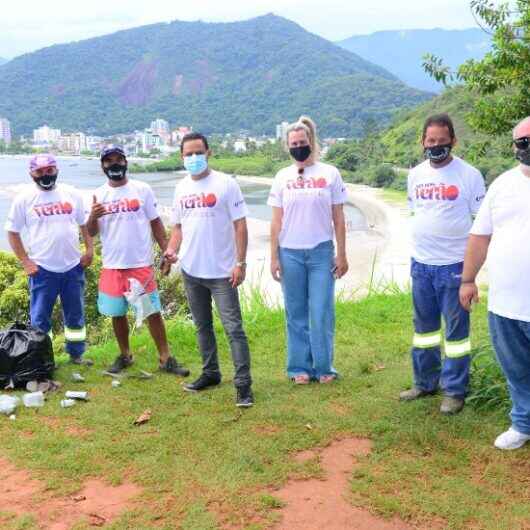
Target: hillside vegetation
[218,77]
[382,159]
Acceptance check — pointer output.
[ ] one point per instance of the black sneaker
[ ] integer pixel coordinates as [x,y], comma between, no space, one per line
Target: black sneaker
[120,363]
[80,361]
[204,382]
[172,366]
[244,396]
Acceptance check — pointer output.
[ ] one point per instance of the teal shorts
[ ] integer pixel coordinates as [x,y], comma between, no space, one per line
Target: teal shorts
[117,306]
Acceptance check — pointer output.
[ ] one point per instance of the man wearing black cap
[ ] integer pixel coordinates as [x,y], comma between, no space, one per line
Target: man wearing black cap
[124,213]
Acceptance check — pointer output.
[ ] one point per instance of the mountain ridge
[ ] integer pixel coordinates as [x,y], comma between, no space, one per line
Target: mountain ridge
[218,77]
[401,51]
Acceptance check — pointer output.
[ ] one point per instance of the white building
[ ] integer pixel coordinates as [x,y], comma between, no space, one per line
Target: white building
[73,143]
[240,146]
[148,140]
[179,133]
[5,131]
[160,126]
[281,130]
[46,135]
[94,143]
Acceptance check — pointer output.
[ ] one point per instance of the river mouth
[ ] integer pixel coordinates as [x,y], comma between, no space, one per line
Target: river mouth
[86,175]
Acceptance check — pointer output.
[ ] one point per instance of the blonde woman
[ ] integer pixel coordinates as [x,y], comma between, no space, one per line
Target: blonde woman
[307,211]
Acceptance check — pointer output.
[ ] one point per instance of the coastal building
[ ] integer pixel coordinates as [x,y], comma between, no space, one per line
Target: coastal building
[240,146]
[281,130]
[5,131]
[73,143]
[148,140]
[46,136]
[159,126]
[179,133]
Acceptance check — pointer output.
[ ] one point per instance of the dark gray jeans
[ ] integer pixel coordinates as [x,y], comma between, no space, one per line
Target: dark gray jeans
[199,292]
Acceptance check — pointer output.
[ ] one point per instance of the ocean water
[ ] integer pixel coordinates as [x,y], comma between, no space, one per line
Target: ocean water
[86,175]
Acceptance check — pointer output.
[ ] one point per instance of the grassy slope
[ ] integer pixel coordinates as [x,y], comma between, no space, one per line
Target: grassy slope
[199,457]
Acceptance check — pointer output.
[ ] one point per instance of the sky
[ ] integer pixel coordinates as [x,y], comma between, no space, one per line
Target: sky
[33,24]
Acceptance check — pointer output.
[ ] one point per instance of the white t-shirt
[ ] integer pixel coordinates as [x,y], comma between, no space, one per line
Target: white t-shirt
[443,202]
[206,210]
[125,229]
[505,215]
[307,203]
[49,221]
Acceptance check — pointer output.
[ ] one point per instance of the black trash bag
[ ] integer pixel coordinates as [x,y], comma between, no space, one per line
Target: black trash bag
[26,354]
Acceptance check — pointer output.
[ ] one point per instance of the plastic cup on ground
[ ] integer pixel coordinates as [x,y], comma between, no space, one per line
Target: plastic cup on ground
[66,403]
[83,396]
[33,400]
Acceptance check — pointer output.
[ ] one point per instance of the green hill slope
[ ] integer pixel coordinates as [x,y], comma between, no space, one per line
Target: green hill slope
[377,160]
[217,77]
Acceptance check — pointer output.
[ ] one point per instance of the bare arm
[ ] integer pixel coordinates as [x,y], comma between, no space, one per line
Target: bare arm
[96,213]
[15,241]
[86,258]
[276,227]
[241,235]
[159,233]
[175,240]
[341,261]
[476,253]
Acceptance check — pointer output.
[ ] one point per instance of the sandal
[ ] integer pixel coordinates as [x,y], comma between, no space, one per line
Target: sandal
[323,379]
[302,379]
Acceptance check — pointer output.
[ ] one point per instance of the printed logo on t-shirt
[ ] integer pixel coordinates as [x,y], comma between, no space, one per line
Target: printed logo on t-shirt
[301,183]
[195,200]
[53,208]
[121,206]
[437,192]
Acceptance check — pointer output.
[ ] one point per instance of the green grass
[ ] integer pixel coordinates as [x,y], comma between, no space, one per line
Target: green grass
[394,196]
[205,465]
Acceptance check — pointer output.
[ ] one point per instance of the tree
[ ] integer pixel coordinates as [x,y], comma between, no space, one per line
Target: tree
[501,80]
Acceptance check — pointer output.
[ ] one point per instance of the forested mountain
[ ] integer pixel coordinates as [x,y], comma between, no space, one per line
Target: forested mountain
[218,77]
[401,52]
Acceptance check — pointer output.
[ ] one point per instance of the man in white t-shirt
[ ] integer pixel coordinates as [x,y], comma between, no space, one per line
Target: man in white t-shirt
[501,232]
[50,215]
[124,213]
[210,238]
[444,192]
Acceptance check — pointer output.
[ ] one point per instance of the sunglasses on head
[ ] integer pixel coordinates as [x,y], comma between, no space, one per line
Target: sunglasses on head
[522,143]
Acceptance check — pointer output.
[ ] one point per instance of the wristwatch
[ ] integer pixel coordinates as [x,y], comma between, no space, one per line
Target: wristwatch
[241,264]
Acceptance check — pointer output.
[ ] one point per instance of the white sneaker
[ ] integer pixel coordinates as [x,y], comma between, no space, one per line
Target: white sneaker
[511,439]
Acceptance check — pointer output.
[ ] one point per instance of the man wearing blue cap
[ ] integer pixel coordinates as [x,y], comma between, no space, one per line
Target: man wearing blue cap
[51,215]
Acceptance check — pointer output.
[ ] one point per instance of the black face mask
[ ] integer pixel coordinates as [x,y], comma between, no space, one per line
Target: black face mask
[438,153]
[46,182]
[523,155]
[300,154]
[116,171]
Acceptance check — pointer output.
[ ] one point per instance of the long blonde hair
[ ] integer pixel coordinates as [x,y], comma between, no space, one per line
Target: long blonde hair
[306,124]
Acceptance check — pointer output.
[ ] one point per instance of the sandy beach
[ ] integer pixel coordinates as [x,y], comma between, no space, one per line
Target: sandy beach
[377,256]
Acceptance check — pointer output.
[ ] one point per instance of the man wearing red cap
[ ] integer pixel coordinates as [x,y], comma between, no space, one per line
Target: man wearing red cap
[51,216]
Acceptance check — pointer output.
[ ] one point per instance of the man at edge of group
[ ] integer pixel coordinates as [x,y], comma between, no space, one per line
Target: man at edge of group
[124,213]
[52,214]
[444,194]
[501,232]
[210,237]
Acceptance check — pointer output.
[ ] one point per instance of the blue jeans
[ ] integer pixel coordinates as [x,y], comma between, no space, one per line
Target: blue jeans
[308,287]
[511,340]
[435,294]
[44,287]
